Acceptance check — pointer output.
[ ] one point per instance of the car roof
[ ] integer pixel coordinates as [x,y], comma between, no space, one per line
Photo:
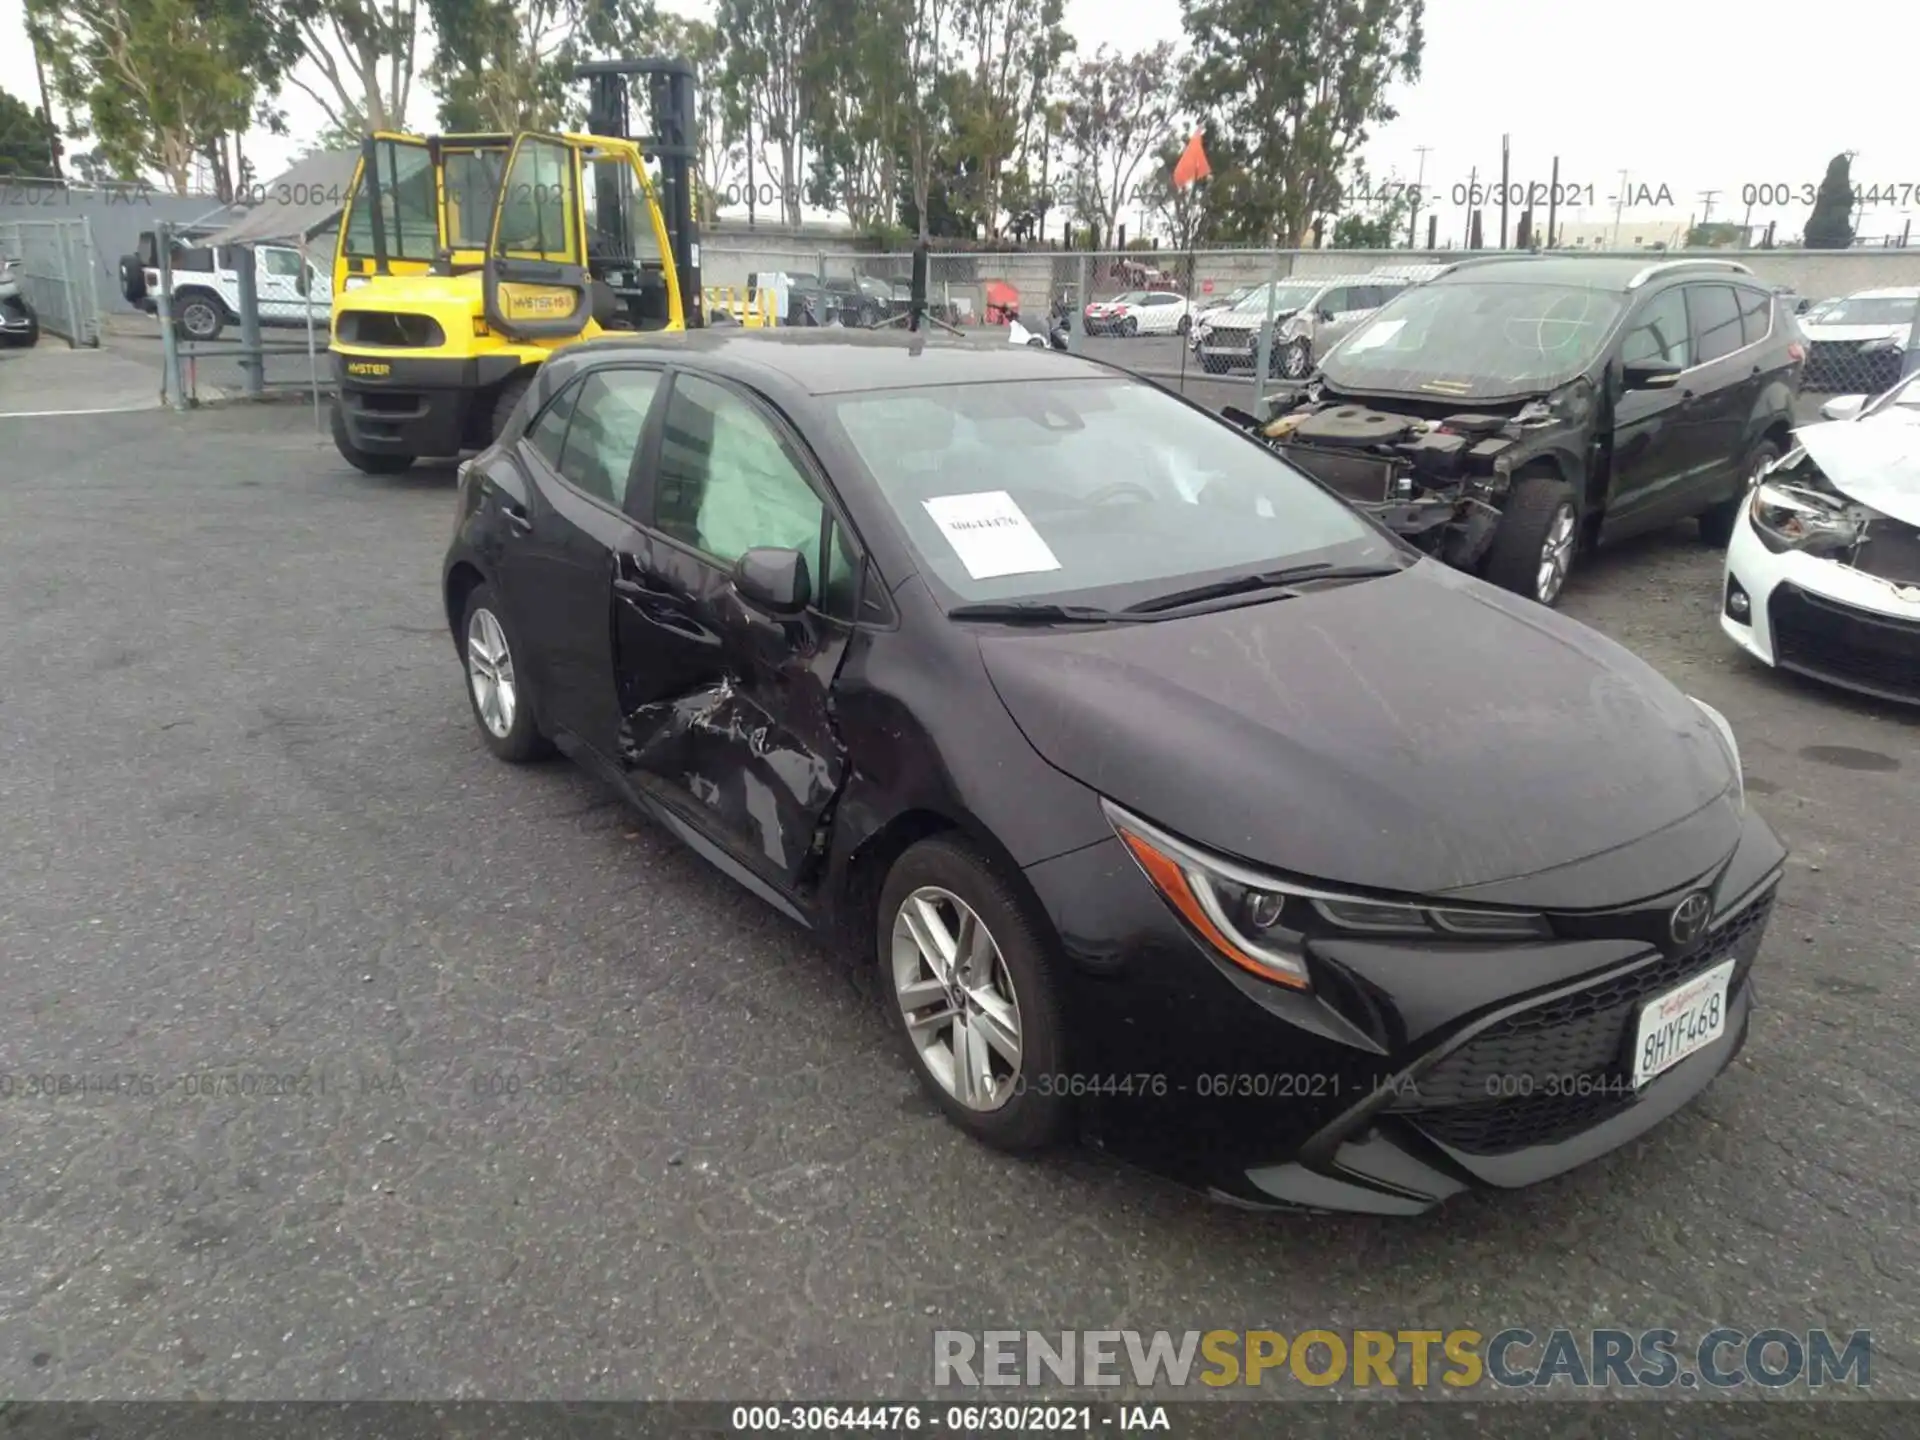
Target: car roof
[1591,272]
[835,360]
[1894,292]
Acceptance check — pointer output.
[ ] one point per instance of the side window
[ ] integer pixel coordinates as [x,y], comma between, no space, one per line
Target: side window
[536,219]
[607,420]
[1659,332]
[281,262]
[1716,321]
[1756,314]
[1334,302]
[548,433]
[727,484]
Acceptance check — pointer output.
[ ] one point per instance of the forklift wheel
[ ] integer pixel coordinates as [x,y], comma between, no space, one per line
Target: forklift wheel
[505,402]
[369,462]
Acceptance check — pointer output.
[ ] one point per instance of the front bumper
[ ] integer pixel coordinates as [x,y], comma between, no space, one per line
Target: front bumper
[399,405]
[1413,1072]
[1820,619]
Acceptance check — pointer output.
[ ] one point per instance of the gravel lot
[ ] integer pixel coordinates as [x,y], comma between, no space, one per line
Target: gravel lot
[246,829]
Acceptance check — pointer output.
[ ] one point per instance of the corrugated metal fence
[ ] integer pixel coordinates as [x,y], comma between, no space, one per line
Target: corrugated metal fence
[57,275]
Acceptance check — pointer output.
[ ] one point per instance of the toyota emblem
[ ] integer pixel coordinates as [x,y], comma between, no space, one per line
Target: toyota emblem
[1690,918]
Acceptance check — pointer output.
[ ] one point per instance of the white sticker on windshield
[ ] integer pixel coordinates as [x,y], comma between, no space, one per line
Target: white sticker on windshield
[1378,333]
[991,535]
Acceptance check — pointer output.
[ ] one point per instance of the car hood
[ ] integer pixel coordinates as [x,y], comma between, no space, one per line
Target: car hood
[1845,334]
[1234,320]
[1875,461]
[1420,733]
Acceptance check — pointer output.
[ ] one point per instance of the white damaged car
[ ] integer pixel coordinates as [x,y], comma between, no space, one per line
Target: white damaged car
[1823,571]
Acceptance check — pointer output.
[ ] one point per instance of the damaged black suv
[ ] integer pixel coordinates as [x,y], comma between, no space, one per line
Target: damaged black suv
[1519,408]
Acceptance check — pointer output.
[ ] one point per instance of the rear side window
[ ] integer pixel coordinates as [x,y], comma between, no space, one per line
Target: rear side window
[548,434]
[605,430]
[1334,302]
[1756,314]
[1716,322]
[1659,332]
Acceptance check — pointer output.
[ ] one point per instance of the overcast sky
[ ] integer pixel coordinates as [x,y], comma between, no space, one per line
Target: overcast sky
[1688,97]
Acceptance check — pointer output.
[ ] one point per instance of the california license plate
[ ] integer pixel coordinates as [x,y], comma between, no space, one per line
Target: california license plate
[1677,1024]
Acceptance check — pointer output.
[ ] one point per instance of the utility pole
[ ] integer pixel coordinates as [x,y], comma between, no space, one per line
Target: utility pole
[1504,187]
[1413,222]
[1553,200]
[1473,179]
[1619,205]
[1746,228]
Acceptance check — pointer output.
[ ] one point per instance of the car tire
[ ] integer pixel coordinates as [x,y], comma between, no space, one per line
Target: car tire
[368,462]
[1716,525]
[1533,549]
[199,315]
[505,402]
[1296,359]
[1186,325]
[1011,1000]
[1130,326]
[496,686]
[133,279]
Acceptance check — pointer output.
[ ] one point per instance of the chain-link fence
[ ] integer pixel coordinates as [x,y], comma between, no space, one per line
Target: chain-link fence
[1856,343]
[55,269]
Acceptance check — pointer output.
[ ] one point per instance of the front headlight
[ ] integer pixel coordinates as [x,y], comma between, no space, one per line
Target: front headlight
[1725,732]
[1792,516]
[1263,923]
[354,282]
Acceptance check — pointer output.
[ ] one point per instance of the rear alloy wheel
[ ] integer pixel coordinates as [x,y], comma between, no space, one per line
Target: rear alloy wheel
[1716,525]
[1533,550]
[494,685]
[1186,324]
[199,316]
[972,987]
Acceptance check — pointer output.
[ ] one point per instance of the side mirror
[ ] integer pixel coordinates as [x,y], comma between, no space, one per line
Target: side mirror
[1843,407]
[1803,307]
[1650,374]
[774,580]
[1326,316]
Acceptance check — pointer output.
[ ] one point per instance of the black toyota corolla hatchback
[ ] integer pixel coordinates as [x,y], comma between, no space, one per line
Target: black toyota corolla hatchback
[1177,805]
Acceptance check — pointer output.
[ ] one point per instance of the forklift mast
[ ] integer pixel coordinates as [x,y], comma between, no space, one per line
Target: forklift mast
[670,140]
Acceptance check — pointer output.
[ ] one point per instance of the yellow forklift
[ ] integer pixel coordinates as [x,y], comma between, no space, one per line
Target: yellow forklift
[464,261]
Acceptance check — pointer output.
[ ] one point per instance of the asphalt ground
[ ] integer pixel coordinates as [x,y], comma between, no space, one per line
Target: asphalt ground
[401,1072]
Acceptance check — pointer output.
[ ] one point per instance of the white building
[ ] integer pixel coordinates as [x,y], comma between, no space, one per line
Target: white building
[1630,232]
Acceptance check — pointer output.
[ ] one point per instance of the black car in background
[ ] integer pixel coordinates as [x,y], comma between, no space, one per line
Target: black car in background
[1518,409]
[1171,800]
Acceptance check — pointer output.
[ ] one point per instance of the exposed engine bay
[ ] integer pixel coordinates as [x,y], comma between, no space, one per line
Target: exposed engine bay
[1436,476]
[1801,506]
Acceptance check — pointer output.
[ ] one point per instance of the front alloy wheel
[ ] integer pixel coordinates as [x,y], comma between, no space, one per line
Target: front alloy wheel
[1297,359]
[1533,550]
[1556,557]
[958,1001]
[971,976]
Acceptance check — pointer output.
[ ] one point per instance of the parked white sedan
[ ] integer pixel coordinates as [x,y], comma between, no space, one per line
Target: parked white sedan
[1141,312]
[1823,571]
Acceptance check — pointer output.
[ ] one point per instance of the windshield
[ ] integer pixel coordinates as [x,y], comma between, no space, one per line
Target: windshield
[1476,339]
[1904,396]
[1285,298]
[471,180]
[619,220]
[1106,490]
[1866,310]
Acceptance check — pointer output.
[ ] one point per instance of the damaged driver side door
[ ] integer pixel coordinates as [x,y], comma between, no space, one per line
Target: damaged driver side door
[726,711]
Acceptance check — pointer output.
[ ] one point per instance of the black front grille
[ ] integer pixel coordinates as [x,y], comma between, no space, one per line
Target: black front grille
[1820,637]
[1560,1067]
[1521,1124]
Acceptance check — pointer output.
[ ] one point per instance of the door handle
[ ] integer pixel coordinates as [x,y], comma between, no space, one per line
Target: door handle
[516,515]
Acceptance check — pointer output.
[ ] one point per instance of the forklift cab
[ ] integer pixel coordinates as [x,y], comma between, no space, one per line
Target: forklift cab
[578,241]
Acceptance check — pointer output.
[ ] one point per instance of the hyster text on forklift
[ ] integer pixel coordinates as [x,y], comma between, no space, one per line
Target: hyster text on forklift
[464,261]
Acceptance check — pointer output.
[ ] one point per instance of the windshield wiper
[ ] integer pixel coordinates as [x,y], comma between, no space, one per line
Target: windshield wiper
[1041,612]
[1281,580]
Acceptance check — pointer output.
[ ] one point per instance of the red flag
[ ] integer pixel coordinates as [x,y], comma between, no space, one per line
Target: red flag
[1193,164]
